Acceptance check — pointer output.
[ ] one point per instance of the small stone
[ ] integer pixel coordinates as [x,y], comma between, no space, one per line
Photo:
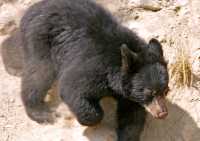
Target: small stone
[136,17]
[8,126]
[12,100]
[2,116]
[185,36]
[171,26]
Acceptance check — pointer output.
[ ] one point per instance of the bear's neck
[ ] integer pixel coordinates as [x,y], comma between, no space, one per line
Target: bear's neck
[115,80]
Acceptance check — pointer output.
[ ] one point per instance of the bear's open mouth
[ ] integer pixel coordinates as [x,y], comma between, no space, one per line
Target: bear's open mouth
[157,108]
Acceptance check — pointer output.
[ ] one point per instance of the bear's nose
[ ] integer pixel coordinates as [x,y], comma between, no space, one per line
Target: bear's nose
[162,115]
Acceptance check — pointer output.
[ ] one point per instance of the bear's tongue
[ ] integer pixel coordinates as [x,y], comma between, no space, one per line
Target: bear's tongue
[157,108]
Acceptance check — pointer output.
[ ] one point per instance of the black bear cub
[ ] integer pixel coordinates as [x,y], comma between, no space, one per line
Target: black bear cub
[81,46]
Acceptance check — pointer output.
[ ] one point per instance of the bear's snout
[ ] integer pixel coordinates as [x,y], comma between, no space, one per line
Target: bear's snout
[157,108]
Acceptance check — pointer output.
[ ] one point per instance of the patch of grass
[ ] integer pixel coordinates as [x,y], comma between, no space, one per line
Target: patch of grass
[181,71]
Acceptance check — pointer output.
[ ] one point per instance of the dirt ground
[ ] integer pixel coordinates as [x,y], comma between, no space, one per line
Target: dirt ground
[173,22]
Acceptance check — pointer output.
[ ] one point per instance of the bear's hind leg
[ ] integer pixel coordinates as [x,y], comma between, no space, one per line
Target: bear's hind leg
[36,81]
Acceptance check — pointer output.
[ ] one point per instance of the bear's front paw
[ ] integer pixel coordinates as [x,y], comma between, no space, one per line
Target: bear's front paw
[90,118]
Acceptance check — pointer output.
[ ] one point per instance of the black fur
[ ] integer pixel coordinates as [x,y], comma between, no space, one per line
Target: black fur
[78,43]
[131,119]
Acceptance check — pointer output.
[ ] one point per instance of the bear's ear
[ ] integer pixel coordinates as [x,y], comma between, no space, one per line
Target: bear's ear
[155,48]
[128,58]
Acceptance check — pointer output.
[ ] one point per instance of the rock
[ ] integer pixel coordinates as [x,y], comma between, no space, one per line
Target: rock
[147,4]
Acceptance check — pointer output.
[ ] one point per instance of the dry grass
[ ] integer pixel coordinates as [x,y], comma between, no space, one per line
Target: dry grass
[180,71]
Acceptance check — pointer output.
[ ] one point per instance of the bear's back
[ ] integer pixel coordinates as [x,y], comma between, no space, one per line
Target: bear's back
[71,30]
[76,32]
[53,17]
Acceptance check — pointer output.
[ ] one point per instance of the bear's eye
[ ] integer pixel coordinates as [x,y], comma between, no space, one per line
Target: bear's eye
[154,93]
[148,92]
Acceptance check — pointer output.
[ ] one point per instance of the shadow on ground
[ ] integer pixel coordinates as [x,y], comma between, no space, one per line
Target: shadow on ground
[178,126]
[11,53]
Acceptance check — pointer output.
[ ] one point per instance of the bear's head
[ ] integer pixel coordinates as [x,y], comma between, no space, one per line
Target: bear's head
[145,78]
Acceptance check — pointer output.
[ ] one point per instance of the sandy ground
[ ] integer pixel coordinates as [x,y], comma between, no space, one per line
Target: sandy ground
[183,122]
